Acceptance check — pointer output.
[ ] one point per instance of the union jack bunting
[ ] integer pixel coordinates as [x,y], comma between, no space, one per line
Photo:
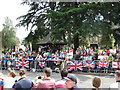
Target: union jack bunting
[80,65]
[119,64]
[89,64]
[42,64]
[93,64]
[22,63]
[103,64]
[85,64]
[75,65]
[115,65]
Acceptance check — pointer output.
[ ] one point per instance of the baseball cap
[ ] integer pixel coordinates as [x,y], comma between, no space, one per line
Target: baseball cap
[71,77]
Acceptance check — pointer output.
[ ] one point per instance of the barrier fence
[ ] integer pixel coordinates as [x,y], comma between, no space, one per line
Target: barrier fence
[56,65]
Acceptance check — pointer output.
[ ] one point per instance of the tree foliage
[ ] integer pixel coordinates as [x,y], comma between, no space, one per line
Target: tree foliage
[8,34]
[73,22]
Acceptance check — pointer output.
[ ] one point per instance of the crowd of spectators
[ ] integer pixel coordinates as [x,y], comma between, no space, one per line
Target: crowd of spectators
[82,53]
[98,54]
[42,82]
[45,82]
[8,59]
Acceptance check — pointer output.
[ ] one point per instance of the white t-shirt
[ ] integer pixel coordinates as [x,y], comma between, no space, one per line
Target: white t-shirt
[9,82]
[100,57]
[113,50]
[115,85]
[60,83]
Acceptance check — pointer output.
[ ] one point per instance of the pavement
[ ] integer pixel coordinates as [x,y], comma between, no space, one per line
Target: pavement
[84,78]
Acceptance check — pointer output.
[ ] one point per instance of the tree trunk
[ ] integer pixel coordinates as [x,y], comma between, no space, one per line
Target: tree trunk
[69,38]
[76,41]
[77,25]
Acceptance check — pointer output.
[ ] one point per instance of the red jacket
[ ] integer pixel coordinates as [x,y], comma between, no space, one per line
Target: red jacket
[108,52]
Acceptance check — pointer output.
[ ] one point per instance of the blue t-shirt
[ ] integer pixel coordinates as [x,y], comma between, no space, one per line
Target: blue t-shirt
[30,57]
[5,56]
[23,84]
[1,83]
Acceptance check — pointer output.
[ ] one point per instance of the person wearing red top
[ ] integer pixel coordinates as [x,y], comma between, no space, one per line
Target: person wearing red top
[108,52]
[46,83]
[61,83]
[1,81]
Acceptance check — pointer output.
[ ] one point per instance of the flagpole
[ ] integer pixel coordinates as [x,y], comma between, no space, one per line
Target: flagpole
[30,46]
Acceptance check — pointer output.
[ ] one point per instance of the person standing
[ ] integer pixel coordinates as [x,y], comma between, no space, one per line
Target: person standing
[96,82]
[9,80]
[117,78]
[46,82]
[1,81]
[95,53]
[110,59]
[23,82]
[61,83]
[71,82]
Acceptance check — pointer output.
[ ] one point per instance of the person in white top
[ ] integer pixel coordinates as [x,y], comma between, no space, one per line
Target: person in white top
[61,83]
[9,80]
[117,78]
[113,50]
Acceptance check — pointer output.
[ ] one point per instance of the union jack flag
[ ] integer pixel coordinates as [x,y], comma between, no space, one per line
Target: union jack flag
[119,65]
[22,63]
[80,65]
[103,64]
[115,64]
[89,64]
[42,64]
[75,65]
[93,64]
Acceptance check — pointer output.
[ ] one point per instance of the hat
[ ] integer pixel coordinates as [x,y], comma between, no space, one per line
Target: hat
[71,77]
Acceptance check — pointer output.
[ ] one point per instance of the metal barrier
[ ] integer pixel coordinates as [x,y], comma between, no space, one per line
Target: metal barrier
[32,65]
[71,65]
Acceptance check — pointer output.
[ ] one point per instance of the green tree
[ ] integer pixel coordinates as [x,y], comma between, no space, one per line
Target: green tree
[8,34]
[73,22]
[37,18]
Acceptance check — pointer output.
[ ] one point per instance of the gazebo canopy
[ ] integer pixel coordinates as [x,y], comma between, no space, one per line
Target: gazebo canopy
[47,41]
